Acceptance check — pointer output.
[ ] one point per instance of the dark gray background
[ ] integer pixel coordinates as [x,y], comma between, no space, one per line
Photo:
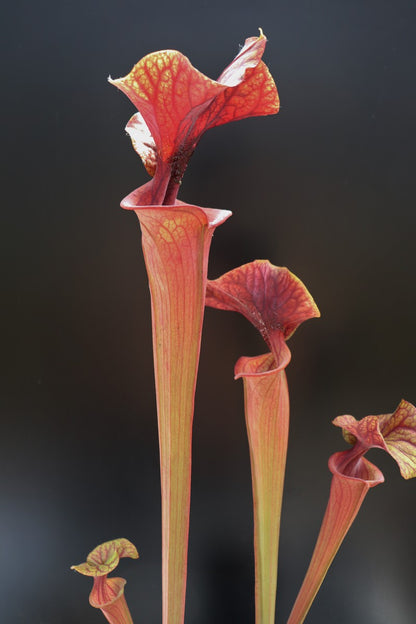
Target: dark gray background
[326,188]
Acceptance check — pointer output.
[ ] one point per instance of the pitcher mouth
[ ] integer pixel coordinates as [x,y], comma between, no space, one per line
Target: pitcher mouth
[375,474]
[213,216]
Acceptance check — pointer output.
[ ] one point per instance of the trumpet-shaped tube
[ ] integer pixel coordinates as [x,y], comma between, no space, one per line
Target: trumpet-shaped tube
[176,241]
[107,594]
[266,400]
[345,499]
[353,476]
[276,302]
[176,104]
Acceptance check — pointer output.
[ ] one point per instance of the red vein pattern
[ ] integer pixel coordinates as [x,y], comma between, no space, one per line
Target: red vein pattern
[272,298]
[177,104]
[275,301]
[266,401]
[176,242]
[353,476]
[107,594]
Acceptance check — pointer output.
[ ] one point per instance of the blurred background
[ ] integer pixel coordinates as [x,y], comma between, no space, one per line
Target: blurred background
[325,188]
